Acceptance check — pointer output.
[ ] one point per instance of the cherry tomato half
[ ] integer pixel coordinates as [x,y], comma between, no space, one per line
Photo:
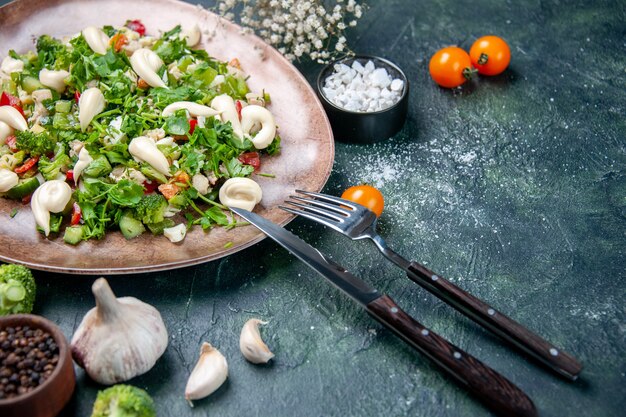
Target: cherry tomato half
[367,196]
[490,55]
[450,67]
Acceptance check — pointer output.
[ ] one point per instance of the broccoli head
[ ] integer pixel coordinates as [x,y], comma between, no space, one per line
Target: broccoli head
[51,169]
[123,401]
[35,143]
[17,289]
[151,209]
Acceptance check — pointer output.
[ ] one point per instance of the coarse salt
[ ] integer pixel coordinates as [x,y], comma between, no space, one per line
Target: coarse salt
[362,88]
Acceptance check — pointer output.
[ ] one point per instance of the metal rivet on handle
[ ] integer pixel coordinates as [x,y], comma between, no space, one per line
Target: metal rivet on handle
[457,355]
[434,277]
[425,332]
[394,309]
[491,311]
[554,352]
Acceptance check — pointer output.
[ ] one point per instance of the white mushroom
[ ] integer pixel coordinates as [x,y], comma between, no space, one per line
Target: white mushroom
[84,159]
[8,180]
[90,103]
[10,65]
[253,114]
[54,79]
[51,197]
[241,193]
[143,149]
[13,118]
[5,131]
[146,63]
[191,36]
[97,40]
[175,234]
[225,105]
[194,109]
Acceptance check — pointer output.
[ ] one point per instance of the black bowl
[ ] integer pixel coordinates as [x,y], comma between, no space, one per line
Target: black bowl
[365,127]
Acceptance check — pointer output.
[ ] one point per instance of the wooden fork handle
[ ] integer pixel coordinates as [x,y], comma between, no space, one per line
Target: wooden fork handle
[493,389]
[496,322]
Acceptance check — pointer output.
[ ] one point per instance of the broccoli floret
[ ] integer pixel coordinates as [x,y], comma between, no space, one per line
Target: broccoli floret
[123,401]
[151,209]
[17,289]
[50,52]
[35,143]
[51,169]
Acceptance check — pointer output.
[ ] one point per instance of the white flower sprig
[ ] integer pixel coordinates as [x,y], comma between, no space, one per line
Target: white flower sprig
[297,28]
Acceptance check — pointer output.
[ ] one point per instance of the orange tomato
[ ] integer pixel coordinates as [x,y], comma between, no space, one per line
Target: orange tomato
[490,55]
[367,196]
[450,67]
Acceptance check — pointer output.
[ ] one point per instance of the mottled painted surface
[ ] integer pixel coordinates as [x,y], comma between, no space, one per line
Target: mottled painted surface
[514,187]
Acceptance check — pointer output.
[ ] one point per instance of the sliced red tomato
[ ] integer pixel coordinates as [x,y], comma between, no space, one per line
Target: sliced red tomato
[118,41]
[251,158]
[192,125]
[11,142]
[26,198]
[137,26]
[9,100]
[69,175]
[30,162]
[76,96]
[238,106]
[77,214]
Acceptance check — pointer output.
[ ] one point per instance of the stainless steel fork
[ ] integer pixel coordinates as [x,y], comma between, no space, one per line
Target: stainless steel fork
[357,222]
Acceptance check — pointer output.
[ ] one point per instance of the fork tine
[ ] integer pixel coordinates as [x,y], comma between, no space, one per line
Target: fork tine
[331,199]
[320,204]
[316,218]
[311,209]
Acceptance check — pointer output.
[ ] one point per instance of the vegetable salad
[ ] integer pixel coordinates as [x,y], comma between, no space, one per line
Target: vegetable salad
[129,132]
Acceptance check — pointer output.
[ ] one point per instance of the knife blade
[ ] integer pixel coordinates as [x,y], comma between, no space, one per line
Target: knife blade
[493,389]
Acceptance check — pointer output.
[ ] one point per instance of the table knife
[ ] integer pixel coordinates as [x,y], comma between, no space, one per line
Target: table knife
[491,388]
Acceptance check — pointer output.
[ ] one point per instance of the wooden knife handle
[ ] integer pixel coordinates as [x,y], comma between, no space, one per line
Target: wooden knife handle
[498,323]
[494,390]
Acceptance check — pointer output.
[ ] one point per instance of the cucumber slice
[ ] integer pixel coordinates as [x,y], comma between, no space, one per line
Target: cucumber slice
[23,188]
[73,235]
[63,106]
[131,227]
[30,84]
[157,228]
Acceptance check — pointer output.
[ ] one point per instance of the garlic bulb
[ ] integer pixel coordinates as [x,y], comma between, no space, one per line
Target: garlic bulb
[194,109]
[240,192]
[90,104]
[54,79]
[13,118]
[97,40]
[208,375]
[51,197]
[144,149]
[251,345]
[146,63]
[8,179]
[118,339]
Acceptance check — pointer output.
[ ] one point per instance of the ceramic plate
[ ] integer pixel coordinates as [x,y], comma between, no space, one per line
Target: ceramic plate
[304,163]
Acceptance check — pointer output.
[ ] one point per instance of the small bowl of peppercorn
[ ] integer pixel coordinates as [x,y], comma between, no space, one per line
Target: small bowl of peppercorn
[365,97]
[36,371]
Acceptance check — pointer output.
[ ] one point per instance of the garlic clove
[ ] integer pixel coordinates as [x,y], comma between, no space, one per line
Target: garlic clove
[146,63]
[8,179]
[144,149]
[118,339]
[10,65]
[240,192]
[251,345]
[5,131]
[253,115]
[208,375]
[225,105]
[191,36]
[50,197]
[13,118]
[54,79]
[97,40]
[84,159]
[194,109]
[90,104]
